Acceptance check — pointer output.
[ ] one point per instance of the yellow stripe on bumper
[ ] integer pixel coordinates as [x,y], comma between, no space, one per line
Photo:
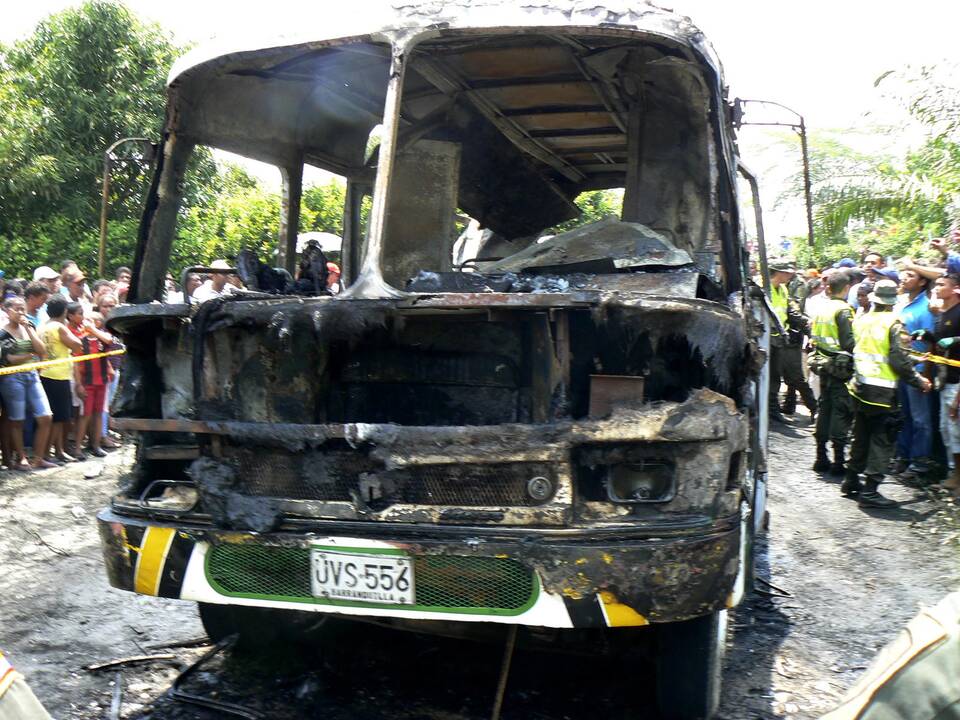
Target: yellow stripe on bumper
[153,554]
[617,614]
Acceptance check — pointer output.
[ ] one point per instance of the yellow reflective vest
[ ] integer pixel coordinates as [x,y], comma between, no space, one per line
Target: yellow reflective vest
[871,354]
[779,300]
[824,331]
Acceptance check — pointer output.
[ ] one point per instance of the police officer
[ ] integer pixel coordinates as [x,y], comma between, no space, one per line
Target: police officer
[879,361]
[17,701]
[831,334]
[786,356]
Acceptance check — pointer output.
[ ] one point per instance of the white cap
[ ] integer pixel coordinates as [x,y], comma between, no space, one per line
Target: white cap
[45,273]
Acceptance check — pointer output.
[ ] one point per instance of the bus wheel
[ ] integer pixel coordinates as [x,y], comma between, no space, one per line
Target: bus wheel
[689,667]
[259,629]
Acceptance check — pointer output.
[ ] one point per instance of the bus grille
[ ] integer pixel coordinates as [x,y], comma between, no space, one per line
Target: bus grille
[442,582]
[338,476]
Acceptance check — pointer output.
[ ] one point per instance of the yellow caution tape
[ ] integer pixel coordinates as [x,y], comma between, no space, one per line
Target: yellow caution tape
[42,364]
[936,359]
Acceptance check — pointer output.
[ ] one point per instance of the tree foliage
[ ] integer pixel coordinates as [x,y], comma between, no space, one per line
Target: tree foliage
[85,78]
[893,205]
[594,205]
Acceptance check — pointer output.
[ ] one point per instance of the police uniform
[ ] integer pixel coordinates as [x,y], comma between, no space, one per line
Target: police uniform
[17,702]
[786,356]
[831,332]
[880,360]
[915,677]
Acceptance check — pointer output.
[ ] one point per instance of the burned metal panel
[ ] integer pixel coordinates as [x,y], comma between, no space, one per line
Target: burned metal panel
[623,245]
[422,208]
[325,121]
[701,435]
[665,581]
[280,112]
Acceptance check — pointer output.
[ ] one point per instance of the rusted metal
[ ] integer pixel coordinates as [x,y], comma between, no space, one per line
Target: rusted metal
[609,391]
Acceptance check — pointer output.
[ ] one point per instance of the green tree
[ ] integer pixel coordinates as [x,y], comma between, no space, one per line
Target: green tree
[594,205]
[322,208]
[85,78]
[891,205]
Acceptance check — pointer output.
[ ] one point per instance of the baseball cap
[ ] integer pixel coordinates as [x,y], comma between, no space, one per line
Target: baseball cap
[45,272]
[845,263]
[888,273]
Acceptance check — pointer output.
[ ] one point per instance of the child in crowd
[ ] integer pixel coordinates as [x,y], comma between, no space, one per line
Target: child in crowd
[60,342]
[91,378]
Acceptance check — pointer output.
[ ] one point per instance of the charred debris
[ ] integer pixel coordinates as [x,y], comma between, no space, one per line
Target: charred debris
[317,406]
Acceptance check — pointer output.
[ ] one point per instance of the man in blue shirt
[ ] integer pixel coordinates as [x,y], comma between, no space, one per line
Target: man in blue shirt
[915,440]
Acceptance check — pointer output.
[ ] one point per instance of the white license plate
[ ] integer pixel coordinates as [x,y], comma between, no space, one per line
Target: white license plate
[384,579]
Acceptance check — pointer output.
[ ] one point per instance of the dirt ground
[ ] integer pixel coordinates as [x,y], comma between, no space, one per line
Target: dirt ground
[853,577]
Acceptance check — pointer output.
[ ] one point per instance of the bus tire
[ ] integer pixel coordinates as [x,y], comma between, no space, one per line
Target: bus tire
[258,629]
[689,663]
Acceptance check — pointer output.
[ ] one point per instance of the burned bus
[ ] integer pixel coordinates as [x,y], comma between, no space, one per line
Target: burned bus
[557,430]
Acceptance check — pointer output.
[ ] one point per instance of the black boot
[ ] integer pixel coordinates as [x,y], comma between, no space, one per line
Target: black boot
[870,496]
[838,466]
[822,463]
[810,401]
[851,485]
[789,404]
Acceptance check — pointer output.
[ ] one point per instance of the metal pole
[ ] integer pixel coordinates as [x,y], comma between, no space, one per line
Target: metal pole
[806,183]
[104,202]
[504,672]
[804,151]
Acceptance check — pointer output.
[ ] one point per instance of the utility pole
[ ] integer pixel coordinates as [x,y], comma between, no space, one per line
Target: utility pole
[801,128]
[149,153]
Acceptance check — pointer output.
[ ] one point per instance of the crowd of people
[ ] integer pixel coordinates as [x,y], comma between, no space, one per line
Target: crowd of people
[59,410]
[872,349]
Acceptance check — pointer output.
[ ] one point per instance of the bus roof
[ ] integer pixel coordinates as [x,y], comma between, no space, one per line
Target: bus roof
[430,16]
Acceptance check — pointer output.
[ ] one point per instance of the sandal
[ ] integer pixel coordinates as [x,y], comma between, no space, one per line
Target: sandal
[42,464]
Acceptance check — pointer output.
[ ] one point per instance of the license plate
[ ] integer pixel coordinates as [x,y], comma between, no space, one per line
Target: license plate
[386,579]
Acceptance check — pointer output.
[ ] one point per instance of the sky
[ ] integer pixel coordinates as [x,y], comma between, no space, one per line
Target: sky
[819,57]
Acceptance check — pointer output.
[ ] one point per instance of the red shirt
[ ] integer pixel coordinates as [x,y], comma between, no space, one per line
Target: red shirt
[92,372]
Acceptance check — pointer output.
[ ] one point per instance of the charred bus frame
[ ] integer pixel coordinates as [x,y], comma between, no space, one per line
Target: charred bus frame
[565,432]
